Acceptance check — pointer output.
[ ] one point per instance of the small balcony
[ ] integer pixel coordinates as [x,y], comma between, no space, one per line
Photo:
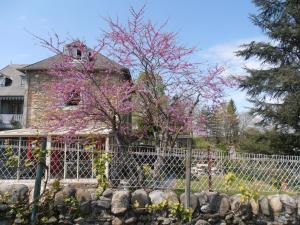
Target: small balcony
[11,121]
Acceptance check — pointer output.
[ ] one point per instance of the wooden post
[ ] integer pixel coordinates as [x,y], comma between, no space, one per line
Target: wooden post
[188,173]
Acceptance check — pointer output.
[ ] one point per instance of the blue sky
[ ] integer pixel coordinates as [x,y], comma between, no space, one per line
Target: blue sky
[216,27]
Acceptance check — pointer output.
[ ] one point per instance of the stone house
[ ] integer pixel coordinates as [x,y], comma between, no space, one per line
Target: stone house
[23,104]
[22,95]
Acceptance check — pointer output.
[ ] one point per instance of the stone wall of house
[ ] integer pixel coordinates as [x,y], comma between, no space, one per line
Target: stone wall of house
[38,99]
[81,205]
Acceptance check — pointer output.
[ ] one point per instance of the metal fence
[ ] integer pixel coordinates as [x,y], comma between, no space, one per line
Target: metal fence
[150,167]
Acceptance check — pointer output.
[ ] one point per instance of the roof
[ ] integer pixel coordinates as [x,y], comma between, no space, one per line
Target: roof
[102,62]
[27,132]
[15,89]
[12,70]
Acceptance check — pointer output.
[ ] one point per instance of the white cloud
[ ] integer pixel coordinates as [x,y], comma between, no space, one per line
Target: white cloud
[224,54]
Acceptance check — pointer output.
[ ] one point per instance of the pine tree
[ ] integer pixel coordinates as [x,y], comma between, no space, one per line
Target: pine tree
[231,123]
[275,91]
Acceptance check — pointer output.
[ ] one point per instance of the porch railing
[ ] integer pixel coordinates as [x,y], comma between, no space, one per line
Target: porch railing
[11,120]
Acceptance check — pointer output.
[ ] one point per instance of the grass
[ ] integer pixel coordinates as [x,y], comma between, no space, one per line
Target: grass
[218,184]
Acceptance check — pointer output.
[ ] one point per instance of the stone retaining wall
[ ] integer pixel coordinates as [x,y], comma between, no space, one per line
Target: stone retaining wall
[81,205]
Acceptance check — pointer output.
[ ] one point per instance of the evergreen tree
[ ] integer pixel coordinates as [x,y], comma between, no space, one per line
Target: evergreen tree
[280,83]
[231,124]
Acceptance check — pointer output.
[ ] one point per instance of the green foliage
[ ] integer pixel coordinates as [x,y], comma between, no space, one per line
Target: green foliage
[222,124]
[229,179]
[175,210]
[163,205]
[72,205]
[20,211]
[200,143]
[12,159]
[231,124]
[46,202]
[4,197]
[181,213]
[100,161]
[280,21]
[267,142]
[247,193]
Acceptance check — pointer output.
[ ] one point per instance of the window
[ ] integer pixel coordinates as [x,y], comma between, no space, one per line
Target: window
[73,98]
[5,81]
[11,107]
[78,54]
[23,81]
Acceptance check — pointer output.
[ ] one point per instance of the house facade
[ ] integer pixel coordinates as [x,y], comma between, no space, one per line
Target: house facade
[23,99]
[13,92]
[23,111]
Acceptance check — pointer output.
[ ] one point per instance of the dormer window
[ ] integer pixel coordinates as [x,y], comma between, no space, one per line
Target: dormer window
[5,81]
[78,54]
[77,51]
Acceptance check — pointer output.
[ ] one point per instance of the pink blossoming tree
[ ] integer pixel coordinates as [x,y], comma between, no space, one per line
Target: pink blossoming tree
[166,97]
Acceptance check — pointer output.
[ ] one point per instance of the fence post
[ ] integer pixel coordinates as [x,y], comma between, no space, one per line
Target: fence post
[19,159]
[107,151]
[48,156]
[38,181]
[188,173]
[209,168]
[77,161]
[65,160]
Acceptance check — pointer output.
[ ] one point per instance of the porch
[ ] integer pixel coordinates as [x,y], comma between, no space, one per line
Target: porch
[11,112]
[71,162]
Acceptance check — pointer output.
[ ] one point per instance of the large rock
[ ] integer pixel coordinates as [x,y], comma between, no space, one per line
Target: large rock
[66,192]
[139,198]
[224,206]
[83,195]
[275,204]
[108,193]
[17,192]
[214,202]
[202,222]
[117,221]
[264,205]
[298,204]
[120,202]
[211,194]
[193,200]
[289,203]
[85,208]
[235,202]
[157,196]
[254,206]
[69,191]
[202,198]
[171,197]
[103,202]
